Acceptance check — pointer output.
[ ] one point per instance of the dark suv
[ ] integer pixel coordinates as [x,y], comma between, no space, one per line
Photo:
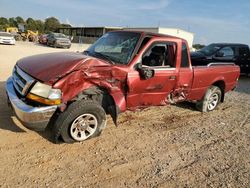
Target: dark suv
[224,52]
[58,40]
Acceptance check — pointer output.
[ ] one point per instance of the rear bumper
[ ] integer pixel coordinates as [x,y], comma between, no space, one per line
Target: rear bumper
[32,117]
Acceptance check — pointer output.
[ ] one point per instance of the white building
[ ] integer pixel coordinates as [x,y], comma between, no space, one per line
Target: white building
[188,36]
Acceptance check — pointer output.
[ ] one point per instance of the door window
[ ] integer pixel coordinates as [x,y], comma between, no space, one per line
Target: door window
[227,51]
[160,55]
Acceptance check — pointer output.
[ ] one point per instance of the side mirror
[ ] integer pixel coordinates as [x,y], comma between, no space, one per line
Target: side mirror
[219,54]
[145,72]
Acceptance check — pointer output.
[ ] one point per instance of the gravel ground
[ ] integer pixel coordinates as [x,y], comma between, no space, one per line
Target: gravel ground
[170,146]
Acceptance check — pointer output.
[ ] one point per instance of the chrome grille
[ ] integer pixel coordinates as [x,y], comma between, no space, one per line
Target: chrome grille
[21,80]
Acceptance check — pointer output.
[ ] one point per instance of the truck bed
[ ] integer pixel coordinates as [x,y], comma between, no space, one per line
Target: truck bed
[205,76]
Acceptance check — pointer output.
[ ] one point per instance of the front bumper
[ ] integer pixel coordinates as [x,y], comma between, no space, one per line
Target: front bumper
[2,41]
[63,45]
[32,117]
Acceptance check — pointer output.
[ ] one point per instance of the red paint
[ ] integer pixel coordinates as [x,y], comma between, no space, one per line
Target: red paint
[75,72]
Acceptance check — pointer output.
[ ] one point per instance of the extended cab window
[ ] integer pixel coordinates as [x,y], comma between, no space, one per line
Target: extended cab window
[243,51]
[184,56]
[160,55]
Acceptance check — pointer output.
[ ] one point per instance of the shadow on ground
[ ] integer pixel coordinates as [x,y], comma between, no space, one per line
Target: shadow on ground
[244,85]
[187,105]
[43,45]
[7,120]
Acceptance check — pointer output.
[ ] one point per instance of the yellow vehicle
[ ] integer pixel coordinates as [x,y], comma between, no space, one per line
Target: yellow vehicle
[12,29]
[31,35]
[28,35]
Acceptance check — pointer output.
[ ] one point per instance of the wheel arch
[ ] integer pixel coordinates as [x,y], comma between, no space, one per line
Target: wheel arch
[221,84]
[106,99]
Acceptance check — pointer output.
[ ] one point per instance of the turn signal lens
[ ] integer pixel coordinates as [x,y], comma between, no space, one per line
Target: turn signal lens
[43,100]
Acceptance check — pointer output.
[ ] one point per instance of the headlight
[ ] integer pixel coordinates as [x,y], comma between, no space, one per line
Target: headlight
[45,94]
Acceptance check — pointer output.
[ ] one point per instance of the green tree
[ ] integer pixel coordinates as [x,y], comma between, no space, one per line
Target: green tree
[66,25]
[3,23]
[20,20]
[31,24]
[40,26]
[51,24]
[198,46]
[12,22]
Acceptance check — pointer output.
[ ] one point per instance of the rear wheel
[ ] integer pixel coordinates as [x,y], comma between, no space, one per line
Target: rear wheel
[211,99]
[81,120]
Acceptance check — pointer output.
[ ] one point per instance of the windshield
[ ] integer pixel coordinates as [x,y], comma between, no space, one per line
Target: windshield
[59,35]
[210,49]
[5,34]
[117,47]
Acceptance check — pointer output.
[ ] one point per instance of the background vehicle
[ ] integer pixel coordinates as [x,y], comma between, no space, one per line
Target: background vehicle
[12,30]
[58,40]
[224,52]
[43,39]
[30,35]
[23,34]
[121,71]
[7,38]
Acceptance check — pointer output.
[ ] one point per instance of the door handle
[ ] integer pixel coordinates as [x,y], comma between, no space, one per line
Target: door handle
[172,77]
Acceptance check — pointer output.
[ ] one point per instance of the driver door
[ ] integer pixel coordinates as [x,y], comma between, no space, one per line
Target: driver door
[153,90]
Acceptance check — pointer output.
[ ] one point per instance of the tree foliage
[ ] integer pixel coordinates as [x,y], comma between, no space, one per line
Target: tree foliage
[66,25]
[3,23]
[40,26]
[12,22]
[31,24]
[20,20]
[49,25]
[198,46]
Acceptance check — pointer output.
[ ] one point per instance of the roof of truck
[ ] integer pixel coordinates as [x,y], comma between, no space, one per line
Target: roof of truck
[145,33]
[230,44]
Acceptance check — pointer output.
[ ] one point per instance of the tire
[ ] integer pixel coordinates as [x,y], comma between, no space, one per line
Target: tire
[211,99]
[82,120]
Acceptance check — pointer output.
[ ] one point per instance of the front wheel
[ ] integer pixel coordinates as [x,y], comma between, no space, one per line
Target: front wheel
[82,120]
[211,99]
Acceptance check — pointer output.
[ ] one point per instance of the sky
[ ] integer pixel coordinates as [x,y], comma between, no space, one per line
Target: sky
[210,20]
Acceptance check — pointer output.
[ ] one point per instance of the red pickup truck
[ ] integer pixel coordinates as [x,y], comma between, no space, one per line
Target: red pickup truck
[122,71]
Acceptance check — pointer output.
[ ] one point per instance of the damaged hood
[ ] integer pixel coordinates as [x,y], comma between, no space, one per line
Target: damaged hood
[49,68]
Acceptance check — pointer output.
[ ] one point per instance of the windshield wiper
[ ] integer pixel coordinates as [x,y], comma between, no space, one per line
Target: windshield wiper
[98,54]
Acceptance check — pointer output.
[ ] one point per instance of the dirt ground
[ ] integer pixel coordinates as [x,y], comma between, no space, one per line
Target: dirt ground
[170,146]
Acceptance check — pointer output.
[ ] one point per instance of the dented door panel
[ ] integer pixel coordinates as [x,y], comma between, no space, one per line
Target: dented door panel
[153,91]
